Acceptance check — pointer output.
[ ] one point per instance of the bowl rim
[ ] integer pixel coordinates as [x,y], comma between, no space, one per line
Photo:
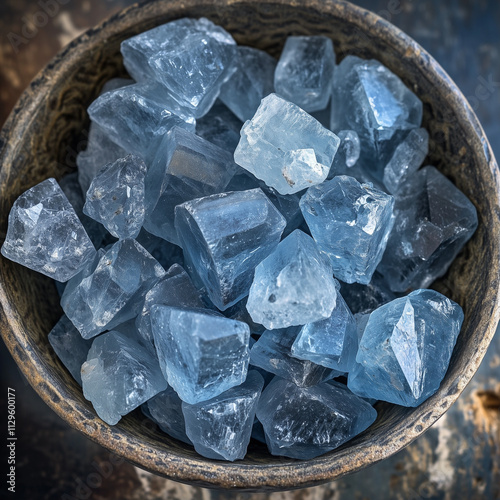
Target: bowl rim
[289,474]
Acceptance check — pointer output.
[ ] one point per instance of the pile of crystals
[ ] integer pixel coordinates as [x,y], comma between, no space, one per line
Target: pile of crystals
[257,223]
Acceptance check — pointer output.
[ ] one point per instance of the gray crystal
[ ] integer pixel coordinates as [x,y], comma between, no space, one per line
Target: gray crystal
[347,154]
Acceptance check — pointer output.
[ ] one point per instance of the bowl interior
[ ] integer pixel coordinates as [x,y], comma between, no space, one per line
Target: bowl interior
[44,133]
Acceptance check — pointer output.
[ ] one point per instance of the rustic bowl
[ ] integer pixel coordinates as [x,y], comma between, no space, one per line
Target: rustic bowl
[40,140]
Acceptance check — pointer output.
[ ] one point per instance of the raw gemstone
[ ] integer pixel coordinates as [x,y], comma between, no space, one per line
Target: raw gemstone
[347,154]
[304,74]
[185,167]
[272,353]
[285,147]
[406,348]
[191,58]
[166,253]
[114,292]
[119,375]
[224,237]
[406,160]
[250,83]
[351,223]
[221,427]
[434,220]
[292,286]
[331,342]
[69,346]
[201,353]
[304,423]
[45,234]
[116,197]
[116,83]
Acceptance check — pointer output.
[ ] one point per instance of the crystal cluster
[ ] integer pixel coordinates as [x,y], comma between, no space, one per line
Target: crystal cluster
[264,279]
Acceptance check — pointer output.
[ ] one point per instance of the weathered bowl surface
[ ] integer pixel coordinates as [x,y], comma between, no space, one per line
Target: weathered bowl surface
[43,134]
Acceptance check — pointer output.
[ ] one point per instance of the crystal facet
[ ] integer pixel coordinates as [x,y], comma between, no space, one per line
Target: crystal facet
[347,154]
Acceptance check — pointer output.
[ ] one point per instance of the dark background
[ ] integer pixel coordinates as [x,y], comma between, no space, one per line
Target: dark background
[457,458]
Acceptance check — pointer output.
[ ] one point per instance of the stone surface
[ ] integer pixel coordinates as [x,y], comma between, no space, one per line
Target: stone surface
[351,223]
[201,353]
[285,147]
[224,237]
[305,422]
[347,154]
[304,74]
[45,234]
[292,286]
[119,375]
[220,428]
[406,348]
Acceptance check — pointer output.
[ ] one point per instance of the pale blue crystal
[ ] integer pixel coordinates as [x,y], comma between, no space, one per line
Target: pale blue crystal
[406,348]
[224,237]
[347,154]
[45,234]
[304,74]
[286,147]
[220,428]
[305,422]
[351,223]
[166,253]
[292,286]
[116,83]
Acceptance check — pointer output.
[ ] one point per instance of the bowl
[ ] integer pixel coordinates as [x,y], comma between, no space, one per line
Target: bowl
[44,132]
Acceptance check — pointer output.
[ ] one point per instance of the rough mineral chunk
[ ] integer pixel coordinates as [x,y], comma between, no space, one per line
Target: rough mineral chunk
[45,234]
[119,375]
[250,83]
[286,147]
[292,286]
[116,197]
[306,422]
[434,220]
[220,428]
[304,74]
[347,154]
[201,353]
[406,348]
[351,223]
[224,237]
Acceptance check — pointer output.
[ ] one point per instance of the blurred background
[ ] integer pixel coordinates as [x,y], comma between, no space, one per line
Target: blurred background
[459,457]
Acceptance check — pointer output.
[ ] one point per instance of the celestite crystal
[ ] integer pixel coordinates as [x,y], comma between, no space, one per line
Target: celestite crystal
[285,147]
[406,348]
[119,375]
[304,74]
[305,422]
[224,237]
[220,428]
[45,234]
[434,220]
[351,223]
[347,154]
[201,353]
[292,286]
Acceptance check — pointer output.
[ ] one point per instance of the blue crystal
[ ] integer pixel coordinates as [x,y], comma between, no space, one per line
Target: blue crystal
[166,253]
[119,375]
[347,154]
[224,237]
[406,348]
[292,286]
[304,423]
[201,353]
[285,147]
[304,74]
[45,234]
[220,428]
[351,223]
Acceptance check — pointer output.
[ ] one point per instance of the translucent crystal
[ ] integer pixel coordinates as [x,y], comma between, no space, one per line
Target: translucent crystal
[250,83]
[434,220]
[347,154]
[351,223]
[304,423]
[224,237]
[119,375]
[45,234]
[285,147]
[292,286]
[406,348]
[201,353]
[220,428]
[304,74]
